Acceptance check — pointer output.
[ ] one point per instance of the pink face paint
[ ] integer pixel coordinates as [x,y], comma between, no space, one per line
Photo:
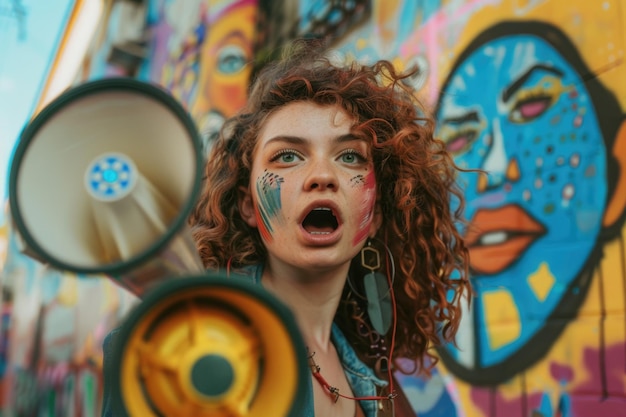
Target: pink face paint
[366,205]
[269,205]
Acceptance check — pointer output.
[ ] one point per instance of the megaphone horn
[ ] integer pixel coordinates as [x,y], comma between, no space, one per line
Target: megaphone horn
[89,188]
[208,346]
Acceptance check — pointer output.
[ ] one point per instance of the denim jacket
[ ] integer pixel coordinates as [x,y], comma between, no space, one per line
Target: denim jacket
[361,378]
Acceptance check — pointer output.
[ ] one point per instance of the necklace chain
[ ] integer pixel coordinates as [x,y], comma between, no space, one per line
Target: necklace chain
[334,391]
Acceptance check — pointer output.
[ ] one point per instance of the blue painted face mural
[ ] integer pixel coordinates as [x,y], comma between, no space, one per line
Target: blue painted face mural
[516,108]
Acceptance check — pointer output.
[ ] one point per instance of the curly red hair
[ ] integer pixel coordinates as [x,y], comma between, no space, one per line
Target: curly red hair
[416,190]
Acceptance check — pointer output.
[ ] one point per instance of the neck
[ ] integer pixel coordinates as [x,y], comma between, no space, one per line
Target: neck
[312,296]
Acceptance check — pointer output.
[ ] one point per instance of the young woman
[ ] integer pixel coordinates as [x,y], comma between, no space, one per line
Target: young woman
[329,188]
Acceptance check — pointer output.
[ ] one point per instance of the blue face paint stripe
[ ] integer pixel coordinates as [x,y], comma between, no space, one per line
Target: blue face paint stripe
[268,190]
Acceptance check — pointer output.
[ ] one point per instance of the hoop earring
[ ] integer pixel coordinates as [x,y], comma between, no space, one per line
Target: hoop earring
[377,287]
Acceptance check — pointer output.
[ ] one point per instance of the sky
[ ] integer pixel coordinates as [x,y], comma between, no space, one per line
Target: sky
[27,49]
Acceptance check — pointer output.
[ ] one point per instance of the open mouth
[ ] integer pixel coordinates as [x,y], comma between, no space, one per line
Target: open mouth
[320,221]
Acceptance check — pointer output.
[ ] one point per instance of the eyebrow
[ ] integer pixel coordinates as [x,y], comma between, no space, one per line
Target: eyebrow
[467,117]
[297,140]
[517,84]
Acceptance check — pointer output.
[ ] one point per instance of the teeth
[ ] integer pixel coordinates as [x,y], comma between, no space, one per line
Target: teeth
[319,233]
[493,238]
[321,209]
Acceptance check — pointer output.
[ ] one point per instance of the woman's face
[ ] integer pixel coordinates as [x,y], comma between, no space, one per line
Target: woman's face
[312,188]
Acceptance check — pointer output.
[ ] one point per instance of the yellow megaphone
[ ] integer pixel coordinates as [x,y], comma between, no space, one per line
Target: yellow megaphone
[208,346]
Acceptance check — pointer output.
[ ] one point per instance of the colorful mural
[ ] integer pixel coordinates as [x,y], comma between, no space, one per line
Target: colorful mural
[529,92]
[47,335]
[204,58]
[58,322]
[201,51]
[55,323]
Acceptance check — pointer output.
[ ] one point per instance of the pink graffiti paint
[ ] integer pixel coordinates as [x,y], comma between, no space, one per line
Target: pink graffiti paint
[428,39]
[366,206]
[600,394]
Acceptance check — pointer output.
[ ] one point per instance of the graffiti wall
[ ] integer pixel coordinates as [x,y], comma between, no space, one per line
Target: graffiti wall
[532,94]
[199,50]
[54,323]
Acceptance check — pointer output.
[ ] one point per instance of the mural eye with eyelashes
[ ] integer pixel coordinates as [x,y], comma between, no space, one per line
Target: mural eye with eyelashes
[531,102]
[461,141]
[530,108]
[231,59]
[460,133]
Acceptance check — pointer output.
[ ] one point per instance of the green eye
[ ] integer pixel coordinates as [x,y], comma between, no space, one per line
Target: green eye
[287,157]
[348,157]
[352,157]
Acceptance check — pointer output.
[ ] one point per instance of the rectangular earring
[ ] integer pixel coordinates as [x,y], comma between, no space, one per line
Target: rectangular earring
[377,290]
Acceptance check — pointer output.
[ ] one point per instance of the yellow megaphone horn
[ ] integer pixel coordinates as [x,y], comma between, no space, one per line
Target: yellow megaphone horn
[208,346]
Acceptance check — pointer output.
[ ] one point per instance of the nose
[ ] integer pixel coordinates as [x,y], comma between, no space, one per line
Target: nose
[321,176]
[497,166]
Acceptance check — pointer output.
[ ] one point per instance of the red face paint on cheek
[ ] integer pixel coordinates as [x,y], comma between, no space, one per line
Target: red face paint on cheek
[263,231]
[366,202]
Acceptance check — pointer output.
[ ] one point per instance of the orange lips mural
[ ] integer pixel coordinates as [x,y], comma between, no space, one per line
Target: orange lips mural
[498,237]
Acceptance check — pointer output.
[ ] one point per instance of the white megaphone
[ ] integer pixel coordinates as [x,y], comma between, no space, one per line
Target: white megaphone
[91,188]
